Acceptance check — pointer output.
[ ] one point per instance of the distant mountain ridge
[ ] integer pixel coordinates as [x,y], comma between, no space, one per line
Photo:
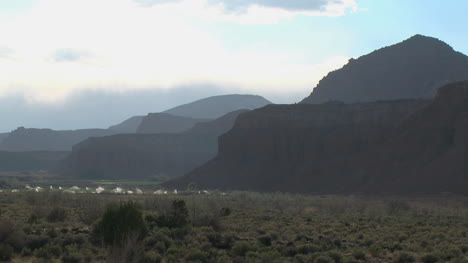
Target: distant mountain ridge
[129,125]
[204,109]
[412,69]
[166,123]
[217,106]
[129,156]
[3,136]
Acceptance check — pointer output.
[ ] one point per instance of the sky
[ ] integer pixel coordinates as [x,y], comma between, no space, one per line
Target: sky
[68,64]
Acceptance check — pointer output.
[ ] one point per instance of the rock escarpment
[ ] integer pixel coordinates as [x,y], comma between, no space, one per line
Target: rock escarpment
[29,139]
[394,147]
[130,156]
[412,69]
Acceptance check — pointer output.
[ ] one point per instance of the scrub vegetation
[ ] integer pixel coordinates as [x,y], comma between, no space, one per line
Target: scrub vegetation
[53,226]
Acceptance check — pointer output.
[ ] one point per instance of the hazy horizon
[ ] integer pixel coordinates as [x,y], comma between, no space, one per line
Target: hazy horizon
[131,57]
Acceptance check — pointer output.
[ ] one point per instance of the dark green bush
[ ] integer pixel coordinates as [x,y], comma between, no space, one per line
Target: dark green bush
[196,255]
[336,256]
[152,257]
[177,217]
[225,211]
[241,248]
[48,252]
[323,259]
[57,214]
[429,258]
[359,255]
[265,240]
[121,221]
[404,258]
[6,252]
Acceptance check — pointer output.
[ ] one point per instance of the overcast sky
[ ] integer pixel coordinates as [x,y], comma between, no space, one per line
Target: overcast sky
[89,63]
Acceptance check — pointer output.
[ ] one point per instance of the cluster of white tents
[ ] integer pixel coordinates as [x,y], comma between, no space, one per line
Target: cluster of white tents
[98,190]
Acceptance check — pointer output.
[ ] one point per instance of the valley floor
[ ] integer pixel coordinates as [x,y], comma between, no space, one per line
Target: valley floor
[52,226]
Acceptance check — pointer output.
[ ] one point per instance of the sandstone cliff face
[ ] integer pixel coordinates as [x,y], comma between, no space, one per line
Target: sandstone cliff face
[23,139]
[412,69]
[394,147]
[133,156]
[299,147]
[30,161]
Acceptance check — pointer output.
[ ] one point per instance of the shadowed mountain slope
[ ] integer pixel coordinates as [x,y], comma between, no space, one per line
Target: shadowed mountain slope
[130,125]
[129,156]
[217,106]
[412,69]
[30,161]
[205,109]
[29,139]
[166,123]
[395,147]
[3,136]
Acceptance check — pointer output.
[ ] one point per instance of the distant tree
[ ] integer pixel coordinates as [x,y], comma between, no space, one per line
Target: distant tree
[177,217]
[121,222]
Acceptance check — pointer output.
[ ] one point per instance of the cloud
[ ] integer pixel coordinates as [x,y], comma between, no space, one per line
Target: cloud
[306,7]
[130,47]
[68,55]
[5,51]
[291,5]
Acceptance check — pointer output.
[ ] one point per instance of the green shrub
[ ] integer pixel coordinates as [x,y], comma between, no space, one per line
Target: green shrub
[196,255]
[241,248]
[177,217]
[323,259]
[6,252]
[307,249]
[152,257]
[359,255]
[121,221]
[33,219]
[57,214]
[404,258]
[225,211]
[265,240]
[336,256]
[48,252]
[429,258]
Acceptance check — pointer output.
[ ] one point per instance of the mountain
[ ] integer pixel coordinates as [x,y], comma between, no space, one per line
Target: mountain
[23,139]
[130,125]
[129,156]
[3,136]
[412,69]
[30,161]
[205,109]
[412,146]
[216,106]
[166,123]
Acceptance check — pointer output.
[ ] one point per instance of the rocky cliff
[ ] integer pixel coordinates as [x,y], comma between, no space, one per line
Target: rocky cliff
[133,156]
[394,147]
[28,139]
[31,161]
[412,69]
